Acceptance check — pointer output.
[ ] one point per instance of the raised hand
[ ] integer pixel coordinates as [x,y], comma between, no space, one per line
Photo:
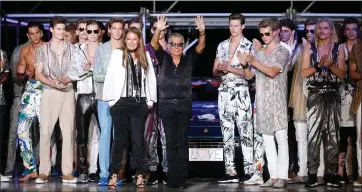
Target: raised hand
[257,45]
[292,42]
[199,20]
[241,57]
[305,42]
[249,58]
[161,23]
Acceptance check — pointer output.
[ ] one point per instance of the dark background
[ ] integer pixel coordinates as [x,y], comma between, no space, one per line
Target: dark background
[213,38]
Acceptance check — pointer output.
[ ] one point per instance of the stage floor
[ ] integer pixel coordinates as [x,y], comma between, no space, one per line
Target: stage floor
[199,185]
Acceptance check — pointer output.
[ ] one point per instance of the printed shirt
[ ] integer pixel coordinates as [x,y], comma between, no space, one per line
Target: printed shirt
[222,53]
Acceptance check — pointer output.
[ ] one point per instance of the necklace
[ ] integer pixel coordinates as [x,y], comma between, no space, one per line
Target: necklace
[231,54]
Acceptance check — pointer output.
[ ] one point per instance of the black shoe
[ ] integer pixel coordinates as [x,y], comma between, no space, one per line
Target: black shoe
[245,178]
[183,186]
[171,186]
[334,181]
[229,179]
[165,179]
[153,180]
[93,177]
[312,181]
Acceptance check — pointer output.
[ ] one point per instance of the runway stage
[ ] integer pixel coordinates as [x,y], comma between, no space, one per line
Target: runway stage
[194,185]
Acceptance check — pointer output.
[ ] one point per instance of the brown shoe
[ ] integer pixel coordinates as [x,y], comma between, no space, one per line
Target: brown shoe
[358,182]
[69,179]
[291,175]
[32,175]
[42,178]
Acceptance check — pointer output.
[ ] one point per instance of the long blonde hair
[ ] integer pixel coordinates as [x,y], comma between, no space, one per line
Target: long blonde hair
[331,25]
[140,50]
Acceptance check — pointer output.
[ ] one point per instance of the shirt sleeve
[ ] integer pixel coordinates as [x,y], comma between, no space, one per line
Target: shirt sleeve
[220,52]
[159,53]
[282,57]
[39,57]
[98,72]
[76,71]
[14,60]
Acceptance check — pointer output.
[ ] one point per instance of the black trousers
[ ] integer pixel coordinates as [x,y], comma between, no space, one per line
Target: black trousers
[2,130]
[176,119]
[129,117]
[86,105]
[293,148]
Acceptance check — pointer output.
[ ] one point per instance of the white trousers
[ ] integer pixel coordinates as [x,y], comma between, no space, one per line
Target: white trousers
[278,162]
[301,132]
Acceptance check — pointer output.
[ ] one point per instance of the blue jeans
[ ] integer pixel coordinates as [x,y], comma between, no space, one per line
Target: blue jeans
[105,122]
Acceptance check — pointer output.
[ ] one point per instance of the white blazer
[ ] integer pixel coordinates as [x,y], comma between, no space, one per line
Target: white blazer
[114,83]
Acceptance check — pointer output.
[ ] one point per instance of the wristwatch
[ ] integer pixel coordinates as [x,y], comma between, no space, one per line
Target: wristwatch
[245,66]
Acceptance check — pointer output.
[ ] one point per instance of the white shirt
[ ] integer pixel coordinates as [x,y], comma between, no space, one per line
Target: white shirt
[231,79]
[85,86]
[114,83]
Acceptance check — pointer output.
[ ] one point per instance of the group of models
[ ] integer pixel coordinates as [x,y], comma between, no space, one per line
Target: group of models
[136,93]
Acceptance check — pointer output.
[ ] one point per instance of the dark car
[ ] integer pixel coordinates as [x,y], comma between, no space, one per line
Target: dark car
[204,135]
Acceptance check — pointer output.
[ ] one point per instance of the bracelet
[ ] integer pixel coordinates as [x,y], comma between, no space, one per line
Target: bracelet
[317,68]
[202,34]
[245,66]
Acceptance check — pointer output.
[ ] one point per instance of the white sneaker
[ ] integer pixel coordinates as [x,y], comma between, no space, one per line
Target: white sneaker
[4,179]
[254,180]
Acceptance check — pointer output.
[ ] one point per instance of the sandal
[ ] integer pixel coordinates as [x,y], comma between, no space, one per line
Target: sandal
[112,184]
[140,181]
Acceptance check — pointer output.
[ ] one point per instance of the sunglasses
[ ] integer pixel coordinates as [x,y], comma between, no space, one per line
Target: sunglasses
[94,31]
[81,29]
[266,34]
[173,44]
[309,31]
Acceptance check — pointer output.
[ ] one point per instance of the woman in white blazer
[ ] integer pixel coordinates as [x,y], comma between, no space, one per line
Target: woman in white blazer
[130,89]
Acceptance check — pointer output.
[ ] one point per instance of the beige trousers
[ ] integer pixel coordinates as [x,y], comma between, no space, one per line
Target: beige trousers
[57,104]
